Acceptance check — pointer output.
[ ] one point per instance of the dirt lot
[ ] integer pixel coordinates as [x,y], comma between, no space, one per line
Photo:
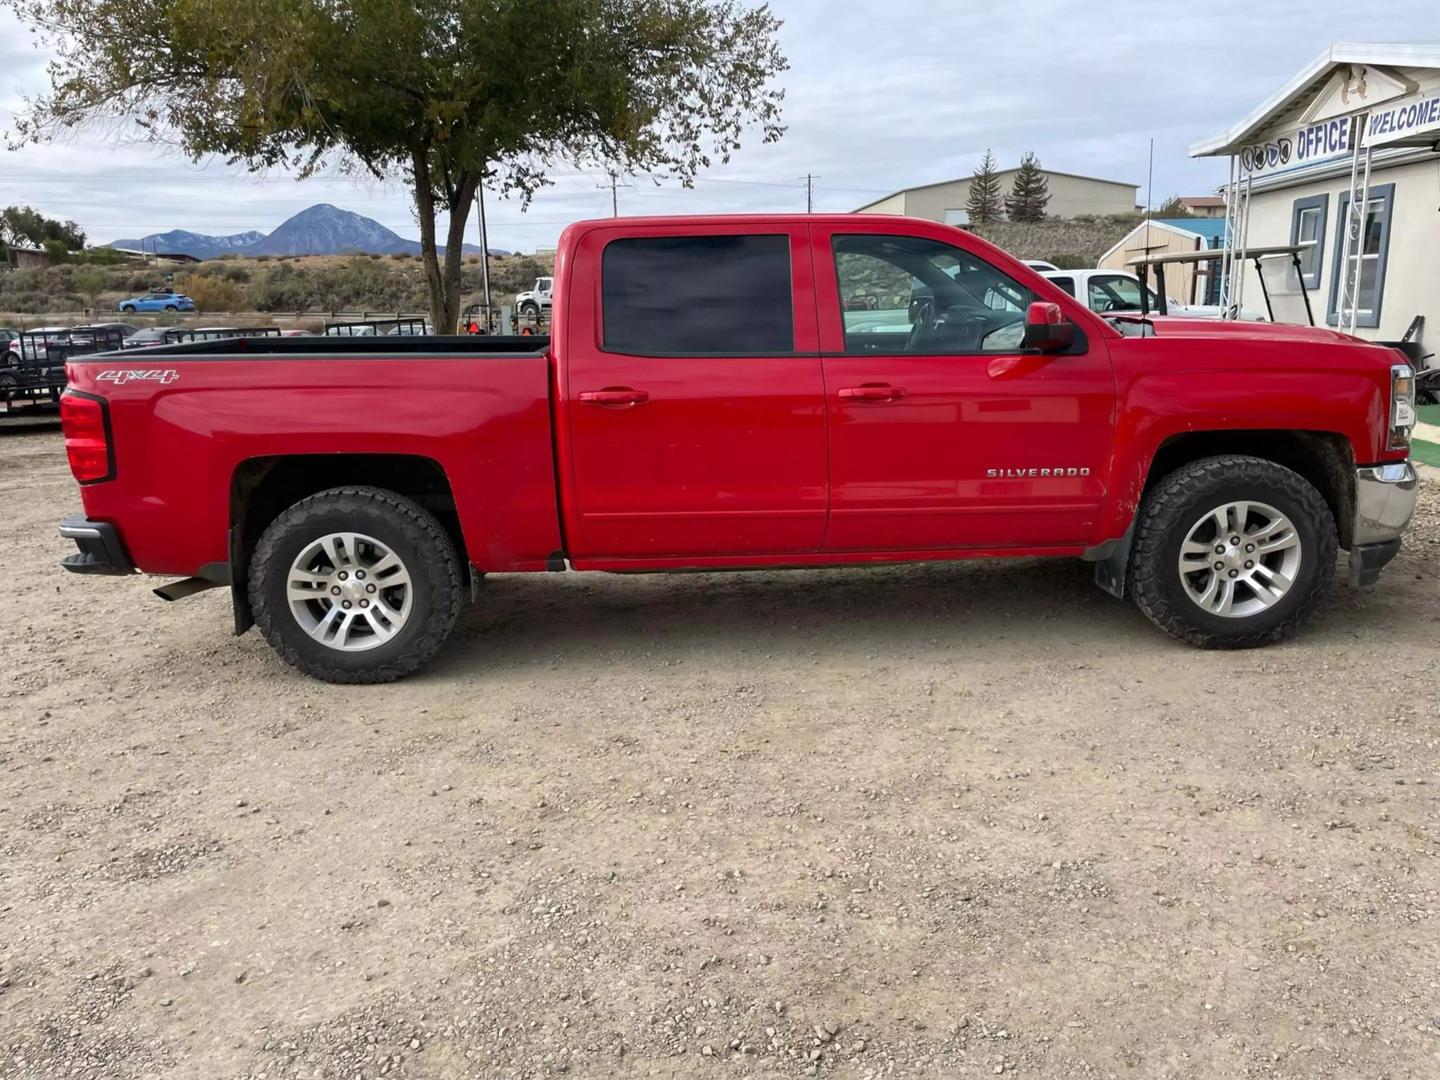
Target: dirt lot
[945,821]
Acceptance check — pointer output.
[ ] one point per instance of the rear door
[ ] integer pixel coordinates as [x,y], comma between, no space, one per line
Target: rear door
[945,433]
[692,393]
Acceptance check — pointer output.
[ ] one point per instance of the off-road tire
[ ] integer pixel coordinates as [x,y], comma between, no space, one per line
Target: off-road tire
[408,530]
[1178,500]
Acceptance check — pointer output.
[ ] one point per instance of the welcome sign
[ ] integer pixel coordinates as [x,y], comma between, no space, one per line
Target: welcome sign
[1406,121]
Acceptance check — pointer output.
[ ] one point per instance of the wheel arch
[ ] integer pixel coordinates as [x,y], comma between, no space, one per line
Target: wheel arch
[261,488]
[1324,458]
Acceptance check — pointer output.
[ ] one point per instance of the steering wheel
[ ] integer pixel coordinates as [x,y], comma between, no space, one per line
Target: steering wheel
[922,322]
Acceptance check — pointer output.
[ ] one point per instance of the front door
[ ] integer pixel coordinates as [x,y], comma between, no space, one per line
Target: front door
[694,400]
[945,433]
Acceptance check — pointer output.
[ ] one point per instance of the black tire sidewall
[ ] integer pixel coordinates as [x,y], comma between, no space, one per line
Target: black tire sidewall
[413,544]
[1173,518]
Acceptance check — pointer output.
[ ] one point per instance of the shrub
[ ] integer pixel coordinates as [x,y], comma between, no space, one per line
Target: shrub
[212,293]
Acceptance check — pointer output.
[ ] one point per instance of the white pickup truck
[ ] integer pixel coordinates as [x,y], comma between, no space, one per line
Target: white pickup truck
[1107,291]
[530,304]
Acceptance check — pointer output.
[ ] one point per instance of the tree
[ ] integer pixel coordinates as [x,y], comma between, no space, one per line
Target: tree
[90,282]
[1173,207]
[1030,192]
[24,225]
[440,95]
[983,205]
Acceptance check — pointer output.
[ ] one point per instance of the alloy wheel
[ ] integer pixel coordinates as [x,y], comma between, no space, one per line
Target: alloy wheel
[1240,559]
[349,591]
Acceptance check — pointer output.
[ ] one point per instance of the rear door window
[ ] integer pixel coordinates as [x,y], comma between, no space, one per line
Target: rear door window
[698,295]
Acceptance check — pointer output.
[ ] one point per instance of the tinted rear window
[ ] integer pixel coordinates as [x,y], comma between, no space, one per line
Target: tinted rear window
[1068,284]
[698,294]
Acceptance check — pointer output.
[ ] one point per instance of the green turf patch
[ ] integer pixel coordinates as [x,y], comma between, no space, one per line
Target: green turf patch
[1428,452]
[1429,414]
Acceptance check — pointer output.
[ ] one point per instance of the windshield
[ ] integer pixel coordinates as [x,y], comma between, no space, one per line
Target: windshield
[1118,292]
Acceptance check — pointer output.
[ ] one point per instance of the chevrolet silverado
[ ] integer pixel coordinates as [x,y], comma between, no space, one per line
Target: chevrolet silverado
[741,392]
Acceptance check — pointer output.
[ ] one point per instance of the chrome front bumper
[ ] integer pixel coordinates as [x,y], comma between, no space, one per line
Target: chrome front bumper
[1385,497]
[1384,500]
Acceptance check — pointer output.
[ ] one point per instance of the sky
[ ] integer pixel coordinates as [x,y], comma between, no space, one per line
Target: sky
[879,96]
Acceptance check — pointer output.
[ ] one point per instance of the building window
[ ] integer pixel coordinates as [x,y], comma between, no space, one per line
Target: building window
[689,295]
[1374,250]
[1307,226]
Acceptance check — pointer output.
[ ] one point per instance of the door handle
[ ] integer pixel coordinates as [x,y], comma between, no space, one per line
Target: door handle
[614,396]
[872,392]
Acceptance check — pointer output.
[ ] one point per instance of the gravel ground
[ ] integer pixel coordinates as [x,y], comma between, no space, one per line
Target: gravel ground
[942,821]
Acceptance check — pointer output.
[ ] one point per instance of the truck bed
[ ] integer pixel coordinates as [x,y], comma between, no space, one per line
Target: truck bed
[194,424]
[320,347]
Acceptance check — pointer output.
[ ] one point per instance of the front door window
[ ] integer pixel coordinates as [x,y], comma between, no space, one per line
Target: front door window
[908,294]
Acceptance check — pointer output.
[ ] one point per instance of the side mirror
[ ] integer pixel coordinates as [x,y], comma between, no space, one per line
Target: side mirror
[1046,328]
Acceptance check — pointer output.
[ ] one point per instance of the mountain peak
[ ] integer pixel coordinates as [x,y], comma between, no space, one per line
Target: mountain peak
[321,229]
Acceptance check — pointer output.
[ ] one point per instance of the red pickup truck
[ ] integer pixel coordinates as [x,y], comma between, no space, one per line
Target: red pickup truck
[739,392]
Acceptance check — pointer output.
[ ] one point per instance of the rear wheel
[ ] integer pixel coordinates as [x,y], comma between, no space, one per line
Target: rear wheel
[355,585]
[1232,552]
[128,308]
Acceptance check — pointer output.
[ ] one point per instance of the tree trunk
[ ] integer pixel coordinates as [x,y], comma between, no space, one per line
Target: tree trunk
[425,211]
[443,278]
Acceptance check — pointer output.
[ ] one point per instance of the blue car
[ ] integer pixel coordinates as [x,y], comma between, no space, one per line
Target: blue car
[158,300]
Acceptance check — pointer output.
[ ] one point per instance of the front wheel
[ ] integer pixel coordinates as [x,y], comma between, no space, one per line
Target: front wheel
[530,309]
[355,585]
[1232,552]
[171,307]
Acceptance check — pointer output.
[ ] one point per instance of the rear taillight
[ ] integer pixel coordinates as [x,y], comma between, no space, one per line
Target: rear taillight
[87,436]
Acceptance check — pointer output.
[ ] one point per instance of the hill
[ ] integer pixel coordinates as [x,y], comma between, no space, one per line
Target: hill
[321,229]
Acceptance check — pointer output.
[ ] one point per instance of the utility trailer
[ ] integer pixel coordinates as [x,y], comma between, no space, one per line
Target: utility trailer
[35,377]
[400,326]
[177,334]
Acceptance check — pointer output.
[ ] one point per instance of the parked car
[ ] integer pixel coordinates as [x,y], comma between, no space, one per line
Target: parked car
[1108,292]
[151,335]
[157,301]
[9,346]
[532,303]
[712,403]
[1040,266]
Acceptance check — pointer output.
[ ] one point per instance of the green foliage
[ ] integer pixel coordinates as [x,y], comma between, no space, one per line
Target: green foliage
[1030,192]
[983,205]
[24,226]
[439,95]
[1173,208]
[57,249]
[90,282]
[101,256]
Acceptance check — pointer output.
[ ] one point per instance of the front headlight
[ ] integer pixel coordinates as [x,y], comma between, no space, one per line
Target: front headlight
[1402,406]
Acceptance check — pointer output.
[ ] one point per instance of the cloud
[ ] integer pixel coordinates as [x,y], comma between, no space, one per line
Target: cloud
[879,97]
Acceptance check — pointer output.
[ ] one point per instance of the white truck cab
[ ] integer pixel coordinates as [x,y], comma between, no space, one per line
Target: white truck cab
[530,304]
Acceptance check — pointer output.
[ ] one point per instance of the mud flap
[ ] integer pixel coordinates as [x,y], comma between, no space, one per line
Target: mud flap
[1112,560]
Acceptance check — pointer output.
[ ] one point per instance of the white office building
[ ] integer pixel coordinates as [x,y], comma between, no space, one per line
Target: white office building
[1361,123]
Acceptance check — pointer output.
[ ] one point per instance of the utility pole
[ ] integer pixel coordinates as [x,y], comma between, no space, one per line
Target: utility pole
[484,250]
[614,186]
[810,193]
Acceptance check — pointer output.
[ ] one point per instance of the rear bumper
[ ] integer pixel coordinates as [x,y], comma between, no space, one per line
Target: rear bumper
[1385,497]
[101,551]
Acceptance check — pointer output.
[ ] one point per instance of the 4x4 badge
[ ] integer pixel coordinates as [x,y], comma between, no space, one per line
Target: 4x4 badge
[123,375]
